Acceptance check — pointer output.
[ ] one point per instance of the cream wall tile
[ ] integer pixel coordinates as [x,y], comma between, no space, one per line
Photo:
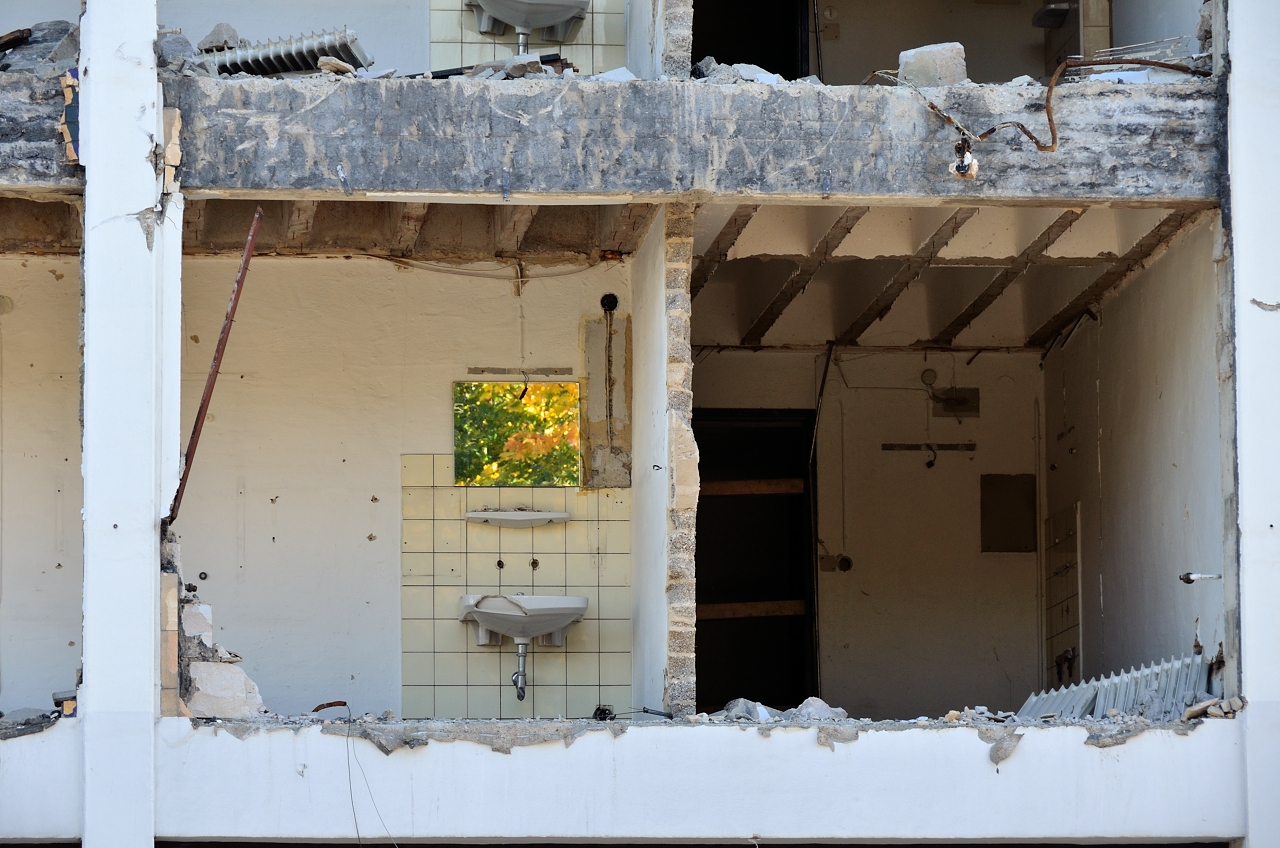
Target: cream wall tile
[609,29]
[515,540]
[582,569]
[482,538]
[469,31]
[451,701]
[482,569]
[615,537]
[482,498]
[615,669]
[516,497]
[615,602]
[417,470]
[551,571]
[445,56]
[482,669]
[551,667]
[583,669]
[416,503]
[449,536]
[451,669]
[550,701]
[485,588]
[583,637]
[446,25]
[578,501]
[582,701]
[549,538]
[582,537]
[549,500]
[417,701]
[416,602]
[592,594]
[517,588]
[417,669]
[615,635]
[445,5]
[618,697]
[615,569]
[607,6]
[450,569]
[452,635]
[417,536]
[444,469]
[446,600]
[484,702]
[615,505]
[417,635]
[417,565]
[450,503]
[505,50]
[608,58]
[512,707]
[580,56]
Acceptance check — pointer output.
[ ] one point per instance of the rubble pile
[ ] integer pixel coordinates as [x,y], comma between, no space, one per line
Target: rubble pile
[712,72]
[50,48]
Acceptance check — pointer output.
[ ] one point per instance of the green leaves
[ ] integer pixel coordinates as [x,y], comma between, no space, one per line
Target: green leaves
[515,434]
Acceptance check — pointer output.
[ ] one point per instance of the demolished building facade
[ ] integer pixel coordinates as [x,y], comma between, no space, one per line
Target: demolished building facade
[903,465]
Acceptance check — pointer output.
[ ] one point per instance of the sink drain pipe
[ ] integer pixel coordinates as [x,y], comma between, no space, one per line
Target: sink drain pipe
[518,676]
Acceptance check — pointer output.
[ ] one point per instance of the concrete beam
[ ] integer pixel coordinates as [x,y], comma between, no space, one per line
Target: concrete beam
[797,282]
[32,157]
[409,218]
[1006,277]
[1138,258]
[673,140]
[907,274]
[626,227]
[510,225]
[301,219]
[709,261]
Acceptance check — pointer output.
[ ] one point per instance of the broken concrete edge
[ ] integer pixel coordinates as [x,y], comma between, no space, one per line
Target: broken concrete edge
[608,140]
[504,735]
[29,726]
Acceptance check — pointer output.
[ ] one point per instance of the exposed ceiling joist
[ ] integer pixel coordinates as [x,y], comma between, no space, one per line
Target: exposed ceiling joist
[1006,277]
[803,274]
[630,228]
[709,261]
[408,226]
[299,223]
[511,223]
[1137,259]
[908,274]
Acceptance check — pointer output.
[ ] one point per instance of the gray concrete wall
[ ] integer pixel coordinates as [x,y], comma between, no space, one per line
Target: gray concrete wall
[32,161]
[1135,398]
[667,140]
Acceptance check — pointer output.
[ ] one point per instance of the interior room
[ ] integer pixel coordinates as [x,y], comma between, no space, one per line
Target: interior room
[1017,452]
[338,509]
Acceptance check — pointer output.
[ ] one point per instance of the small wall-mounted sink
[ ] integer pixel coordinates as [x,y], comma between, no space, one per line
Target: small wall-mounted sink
[554,17]
[517,517]
[523,618]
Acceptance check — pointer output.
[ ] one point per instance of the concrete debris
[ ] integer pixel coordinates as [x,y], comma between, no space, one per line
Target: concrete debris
[815,709]
[173,51]
[1022,82]
[330,65]
[527,66]
[1002,741]
[616,75]
[933,65]
[740,709]
[711,71]
[1198,709]
[25,722]
[221,37]
[53,48]
[222,690]
[519,66]
[197,622]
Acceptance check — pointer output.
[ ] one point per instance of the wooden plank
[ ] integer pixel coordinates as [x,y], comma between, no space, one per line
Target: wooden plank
[752,609]
[706,264]
[511,223]
[1138,258]
[804,274]
[752,487]
[1006,277]
[302,219]
[408,226]
[630,228]
[907,274]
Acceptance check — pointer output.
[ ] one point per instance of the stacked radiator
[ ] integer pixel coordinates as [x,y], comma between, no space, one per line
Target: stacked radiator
[1159,692]
[291,55]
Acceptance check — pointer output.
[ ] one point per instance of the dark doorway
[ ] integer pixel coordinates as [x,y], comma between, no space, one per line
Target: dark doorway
[773,34]
[755,633]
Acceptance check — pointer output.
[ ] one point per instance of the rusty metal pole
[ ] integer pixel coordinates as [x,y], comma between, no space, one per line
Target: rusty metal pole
[217,362]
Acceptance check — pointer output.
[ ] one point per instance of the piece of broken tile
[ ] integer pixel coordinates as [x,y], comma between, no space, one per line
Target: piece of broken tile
[222,690]
[615,75]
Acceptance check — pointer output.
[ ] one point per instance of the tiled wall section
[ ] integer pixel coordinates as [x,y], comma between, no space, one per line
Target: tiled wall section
[599,43]
[444,673]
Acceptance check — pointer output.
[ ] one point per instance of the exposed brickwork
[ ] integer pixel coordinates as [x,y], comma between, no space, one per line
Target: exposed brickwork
[682,462]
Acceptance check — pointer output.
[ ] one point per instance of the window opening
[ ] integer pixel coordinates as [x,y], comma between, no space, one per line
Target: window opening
[515,434]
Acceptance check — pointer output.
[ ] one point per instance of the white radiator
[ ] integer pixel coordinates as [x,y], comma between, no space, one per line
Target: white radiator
[1160,692]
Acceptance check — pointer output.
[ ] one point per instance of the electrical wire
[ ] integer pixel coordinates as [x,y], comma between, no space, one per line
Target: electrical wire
[515,265]
[351,793]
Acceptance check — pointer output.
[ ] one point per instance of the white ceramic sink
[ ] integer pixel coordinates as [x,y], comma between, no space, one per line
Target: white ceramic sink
[528,15]
[522,617]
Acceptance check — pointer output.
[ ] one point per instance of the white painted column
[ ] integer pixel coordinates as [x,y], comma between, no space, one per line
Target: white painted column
[1254,123]
[125,423]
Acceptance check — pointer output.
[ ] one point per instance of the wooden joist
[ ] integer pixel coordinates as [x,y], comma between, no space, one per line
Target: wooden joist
[752,487]
[706,264]
[750,609]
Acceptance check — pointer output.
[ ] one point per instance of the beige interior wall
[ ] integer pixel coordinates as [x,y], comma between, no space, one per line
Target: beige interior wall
[336,368]
[40,529]
[1000,42]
